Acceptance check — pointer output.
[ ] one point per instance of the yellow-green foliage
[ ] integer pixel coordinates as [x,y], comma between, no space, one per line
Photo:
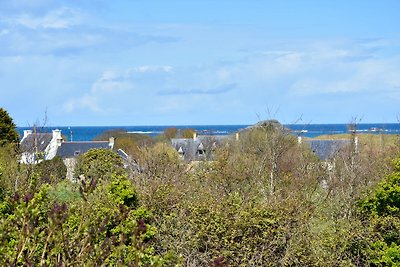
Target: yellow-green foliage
[187,133]
[129,142]
[264,200]
[60,226]
[367,141]
[382,212]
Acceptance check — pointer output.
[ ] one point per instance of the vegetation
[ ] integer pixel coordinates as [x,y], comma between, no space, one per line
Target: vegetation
[96,222]
[368,141]
[187,133]
[264,200]
[170,133]
[8,133]
[131,143]
[381,213]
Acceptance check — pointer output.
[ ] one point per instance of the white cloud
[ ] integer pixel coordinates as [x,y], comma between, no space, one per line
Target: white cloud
[110,82]
[17,4]
[197,91]
[82,103]
[224,74]
[315,68]
[149,68]
[370,75]
[4,32]
[61,18]
[116,88]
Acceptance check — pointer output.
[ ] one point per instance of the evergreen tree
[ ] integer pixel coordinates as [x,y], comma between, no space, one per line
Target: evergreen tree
[8,132]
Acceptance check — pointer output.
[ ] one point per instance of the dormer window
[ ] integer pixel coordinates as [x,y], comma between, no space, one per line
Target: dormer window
[77,153]
[181,152]
[214,146]
[200,150]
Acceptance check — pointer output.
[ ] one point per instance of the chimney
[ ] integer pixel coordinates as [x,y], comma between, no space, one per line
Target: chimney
[57,136]
[27,133]
[111,142]
[237,136]
[356,144]
[299,139]
[195,136]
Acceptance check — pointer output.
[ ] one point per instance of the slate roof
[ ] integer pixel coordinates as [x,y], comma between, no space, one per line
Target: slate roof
[122,154]
[42,139]
[199,148]
[74,149]
[327,149]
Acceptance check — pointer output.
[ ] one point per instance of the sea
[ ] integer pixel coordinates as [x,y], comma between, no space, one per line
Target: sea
[88,133]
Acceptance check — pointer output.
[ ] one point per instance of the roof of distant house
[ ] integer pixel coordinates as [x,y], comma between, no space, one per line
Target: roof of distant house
[122,154]
[327,149]
[189,147]
[41,140]
[74,149]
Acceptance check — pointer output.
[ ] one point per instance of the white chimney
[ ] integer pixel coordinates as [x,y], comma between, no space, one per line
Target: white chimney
[299,139]
[356,144]
[27,133]
[111,142]
[195,136]
[57,136]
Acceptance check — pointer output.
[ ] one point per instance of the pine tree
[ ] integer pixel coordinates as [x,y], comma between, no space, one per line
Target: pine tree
[8,132]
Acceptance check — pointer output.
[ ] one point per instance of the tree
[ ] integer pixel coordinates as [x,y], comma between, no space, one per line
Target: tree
[96,166]
[188,133]
[8,133]
[51,171]
[170,132]
[128,142]
[381,212]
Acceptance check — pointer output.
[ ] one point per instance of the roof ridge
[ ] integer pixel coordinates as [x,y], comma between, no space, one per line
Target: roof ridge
[77,142]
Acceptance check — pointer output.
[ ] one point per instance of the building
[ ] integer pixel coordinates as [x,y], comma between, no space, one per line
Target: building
[327,149]
[198,147]
[37,147]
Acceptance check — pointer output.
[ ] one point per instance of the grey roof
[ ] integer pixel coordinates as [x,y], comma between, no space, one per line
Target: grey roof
[128,161]
[327,149]
[74,149]
[122,154]
[199,148]
[42,140]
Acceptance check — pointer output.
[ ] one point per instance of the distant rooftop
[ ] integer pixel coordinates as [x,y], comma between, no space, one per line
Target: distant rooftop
[327,149]
[73,149]
[41,140]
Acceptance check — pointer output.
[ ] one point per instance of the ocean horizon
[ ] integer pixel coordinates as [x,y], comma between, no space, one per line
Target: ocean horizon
[87,133]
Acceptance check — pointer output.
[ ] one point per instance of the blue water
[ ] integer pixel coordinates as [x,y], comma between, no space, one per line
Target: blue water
[86,133]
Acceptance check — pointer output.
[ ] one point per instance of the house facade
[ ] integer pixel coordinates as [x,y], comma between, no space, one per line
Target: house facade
[36,147]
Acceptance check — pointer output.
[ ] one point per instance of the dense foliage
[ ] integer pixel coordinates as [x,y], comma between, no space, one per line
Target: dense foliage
[381,213]
[8,132]
[264,200]
[59,223]
[131,143]
[267,201]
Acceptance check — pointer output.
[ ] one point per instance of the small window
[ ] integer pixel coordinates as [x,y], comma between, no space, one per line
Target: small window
[76,153]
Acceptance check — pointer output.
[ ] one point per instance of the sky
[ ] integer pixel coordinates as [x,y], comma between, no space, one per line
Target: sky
[199,62]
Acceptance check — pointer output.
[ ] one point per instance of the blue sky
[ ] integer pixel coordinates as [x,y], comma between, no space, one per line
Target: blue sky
[176,62]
